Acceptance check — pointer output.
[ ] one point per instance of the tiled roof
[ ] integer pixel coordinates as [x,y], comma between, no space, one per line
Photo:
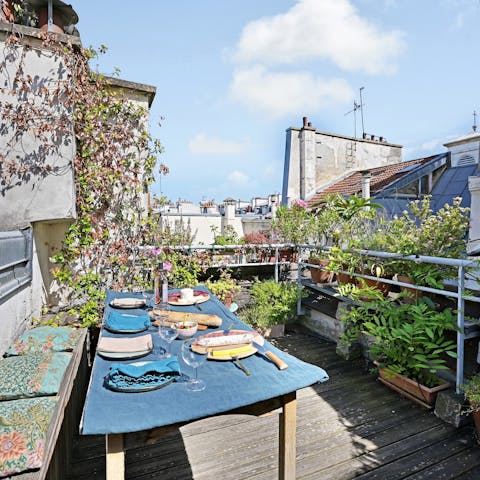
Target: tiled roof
[381,176]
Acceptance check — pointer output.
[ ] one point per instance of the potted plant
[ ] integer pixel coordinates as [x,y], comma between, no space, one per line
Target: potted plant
[320,275]
[274,305]
[472,394]
[256,238]
[409,345]
[341,261]
[224,288]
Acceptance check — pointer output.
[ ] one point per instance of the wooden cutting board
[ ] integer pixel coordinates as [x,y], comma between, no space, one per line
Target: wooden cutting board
[228,352]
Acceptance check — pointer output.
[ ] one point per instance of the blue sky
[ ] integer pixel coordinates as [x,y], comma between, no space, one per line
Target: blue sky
[232,76]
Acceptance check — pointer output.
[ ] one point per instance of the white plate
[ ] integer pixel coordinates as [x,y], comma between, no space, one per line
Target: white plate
[124,355]
[127,302]
[138,330]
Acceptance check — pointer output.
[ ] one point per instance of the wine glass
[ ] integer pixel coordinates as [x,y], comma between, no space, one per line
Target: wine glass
[193,359]
[168,333]
[148,296]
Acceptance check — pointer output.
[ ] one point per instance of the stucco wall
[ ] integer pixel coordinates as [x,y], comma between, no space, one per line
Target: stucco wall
[35,196]
[313,159]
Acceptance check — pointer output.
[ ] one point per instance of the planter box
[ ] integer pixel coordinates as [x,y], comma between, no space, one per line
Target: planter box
[318,275]
[411,389]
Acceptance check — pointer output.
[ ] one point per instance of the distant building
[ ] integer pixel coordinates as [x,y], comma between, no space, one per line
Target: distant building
[208,218]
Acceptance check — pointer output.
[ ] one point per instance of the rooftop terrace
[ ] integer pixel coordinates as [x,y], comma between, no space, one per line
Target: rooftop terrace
[349,427]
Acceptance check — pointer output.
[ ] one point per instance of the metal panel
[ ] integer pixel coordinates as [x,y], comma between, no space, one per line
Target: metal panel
[15,260]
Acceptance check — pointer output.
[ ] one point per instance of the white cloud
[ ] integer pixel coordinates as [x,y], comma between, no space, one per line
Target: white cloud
[201,144]
[321,29]
[238,178]
[279,94]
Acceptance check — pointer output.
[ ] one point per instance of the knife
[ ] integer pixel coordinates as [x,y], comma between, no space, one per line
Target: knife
[270,355]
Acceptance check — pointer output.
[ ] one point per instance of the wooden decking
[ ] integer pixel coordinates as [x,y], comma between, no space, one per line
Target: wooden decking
[348,427]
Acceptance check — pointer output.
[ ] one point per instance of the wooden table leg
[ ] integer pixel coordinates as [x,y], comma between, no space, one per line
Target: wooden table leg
[115,457]
[288,437]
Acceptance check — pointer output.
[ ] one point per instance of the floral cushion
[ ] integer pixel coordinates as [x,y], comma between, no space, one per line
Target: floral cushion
[23,429]
[32,375]
[44,339]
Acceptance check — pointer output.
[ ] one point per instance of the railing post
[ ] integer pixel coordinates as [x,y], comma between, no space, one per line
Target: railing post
[299,286]
[276,264]
[461,327]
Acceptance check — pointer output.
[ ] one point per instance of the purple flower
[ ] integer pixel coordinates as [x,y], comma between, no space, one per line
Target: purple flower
[167,266]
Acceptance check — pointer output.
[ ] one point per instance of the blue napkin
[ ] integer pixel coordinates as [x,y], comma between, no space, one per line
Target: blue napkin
[122,321]
[143,376]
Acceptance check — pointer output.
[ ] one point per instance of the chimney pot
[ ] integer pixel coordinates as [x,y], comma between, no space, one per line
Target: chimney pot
[305,120]
[310,124]
[372,137]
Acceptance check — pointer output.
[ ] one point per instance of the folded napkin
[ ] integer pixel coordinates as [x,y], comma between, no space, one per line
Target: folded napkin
[218,340]
[142,376]
[124,345]
[122,321]
[129,302]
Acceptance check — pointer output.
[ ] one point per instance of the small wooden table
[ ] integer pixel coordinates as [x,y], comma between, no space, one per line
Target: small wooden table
[116,444]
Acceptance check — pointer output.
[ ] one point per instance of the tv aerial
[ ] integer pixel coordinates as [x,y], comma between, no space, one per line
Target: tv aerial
[357,106]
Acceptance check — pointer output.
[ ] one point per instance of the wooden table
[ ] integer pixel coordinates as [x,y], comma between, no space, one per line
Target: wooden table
[128,419]
[116,444]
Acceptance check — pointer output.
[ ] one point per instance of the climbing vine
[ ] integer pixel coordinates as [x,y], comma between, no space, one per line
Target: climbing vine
[113,163]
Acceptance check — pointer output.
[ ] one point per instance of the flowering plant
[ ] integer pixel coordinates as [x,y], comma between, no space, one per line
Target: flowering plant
[294,224]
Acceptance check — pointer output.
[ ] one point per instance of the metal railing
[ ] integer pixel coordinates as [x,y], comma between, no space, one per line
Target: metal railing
[460,293]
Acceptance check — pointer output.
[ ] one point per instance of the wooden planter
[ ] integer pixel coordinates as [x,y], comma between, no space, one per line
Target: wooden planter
[411,389]
[318,275]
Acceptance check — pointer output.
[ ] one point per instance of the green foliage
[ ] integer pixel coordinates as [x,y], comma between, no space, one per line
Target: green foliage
[228,237]
[224,286]
[274,303]
[409,339]
[472,392]
[341,259]
[294,224]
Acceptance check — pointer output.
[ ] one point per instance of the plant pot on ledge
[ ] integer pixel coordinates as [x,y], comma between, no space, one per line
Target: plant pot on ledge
[420,394]
[318,275]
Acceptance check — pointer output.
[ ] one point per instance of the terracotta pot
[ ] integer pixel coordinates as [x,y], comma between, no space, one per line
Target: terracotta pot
[287,255]
[6,12]
[382,286]
[413,294]
[318,275]
[345,278]
[57,26]
[476,420]
[411,389]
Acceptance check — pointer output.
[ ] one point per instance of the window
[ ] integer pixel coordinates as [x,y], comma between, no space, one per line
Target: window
[15,260]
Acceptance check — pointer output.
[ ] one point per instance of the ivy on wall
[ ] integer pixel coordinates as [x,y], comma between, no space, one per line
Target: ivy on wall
[113,165]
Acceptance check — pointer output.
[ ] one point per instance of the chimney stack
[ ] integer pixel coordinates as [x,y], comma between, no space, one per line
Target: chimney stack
[305,122]
[366,176]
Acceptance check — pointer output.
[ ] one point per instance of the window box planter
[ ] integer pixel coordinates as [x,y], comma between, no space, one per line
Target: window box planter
[420,394]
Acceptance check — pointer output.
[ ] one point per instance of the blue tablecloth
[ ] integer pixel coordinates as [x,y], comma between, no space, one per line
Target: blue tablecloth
[107,412]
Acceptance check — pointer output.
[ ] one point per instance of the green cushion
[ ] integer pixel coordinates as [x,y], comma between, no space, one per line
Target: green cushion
[23,428]
[32,375]
[44,339]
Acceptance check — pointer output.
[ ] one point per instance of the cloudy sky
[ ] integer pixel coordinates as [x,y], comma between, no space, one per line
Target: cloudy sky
[232,76]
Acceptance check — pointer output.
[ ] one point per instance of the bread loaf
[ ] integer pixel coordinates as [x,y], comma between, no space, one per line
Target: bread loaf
[200,318]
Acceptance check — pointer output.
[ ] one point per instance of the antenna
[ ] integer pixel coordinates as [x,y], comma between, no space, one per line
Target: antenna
[361,111]
[356,106]
[474,127]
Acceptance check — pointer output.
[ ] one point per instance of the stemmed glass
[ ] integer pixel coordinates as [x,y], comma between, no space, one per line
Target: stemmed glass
[168,333]
[148,296]
[195,360]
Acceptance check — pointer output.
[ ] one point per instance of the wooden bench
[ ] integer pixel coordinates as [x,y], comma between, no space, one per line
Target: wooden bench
[65,419]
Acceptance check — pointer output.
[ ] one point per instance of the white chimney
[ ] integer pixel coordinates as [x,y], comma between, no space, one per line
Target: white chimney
[366,176]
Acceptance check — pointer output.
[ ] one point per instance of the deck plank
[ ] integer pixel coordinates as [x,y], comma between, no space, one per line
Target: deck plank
[349,427]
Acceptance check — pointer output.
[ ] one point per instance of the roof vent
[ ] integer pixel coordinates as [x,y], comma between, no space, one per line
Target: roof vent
[465,160]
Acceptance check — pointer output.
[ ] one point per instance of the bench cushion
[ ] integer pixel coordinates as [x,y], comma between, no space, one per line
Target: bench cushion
[23,429]
[44,339]
[33,375]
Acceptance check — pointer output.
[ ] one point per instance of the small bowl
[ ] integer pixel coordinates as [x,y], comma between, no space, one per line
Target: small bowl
[186,329]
